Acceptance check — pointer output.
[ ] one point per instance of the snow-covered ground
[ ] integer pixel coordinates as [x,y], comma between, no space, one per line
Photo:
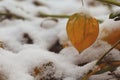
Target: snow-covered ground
[28,39]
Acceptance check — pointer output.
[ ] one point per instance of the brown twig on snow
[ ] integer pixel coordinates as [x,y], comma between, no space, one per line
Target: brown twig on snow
[113,2]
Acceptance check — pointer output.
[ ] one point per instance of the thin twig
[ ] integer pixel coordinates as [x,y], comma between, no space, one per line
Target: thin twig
[107,52]
[101,68]
[113,2]
[58,16]
[11,15]
[55,16]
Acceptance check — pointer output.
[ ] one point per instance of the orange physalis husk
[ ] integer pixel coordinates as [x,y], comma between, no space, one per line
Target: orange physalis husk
[112,36]
[82,30]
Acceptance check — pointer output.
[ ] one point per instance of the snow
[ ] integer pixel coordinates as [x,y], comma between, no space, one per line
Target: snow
[23,62]
[102,76]
[27,41]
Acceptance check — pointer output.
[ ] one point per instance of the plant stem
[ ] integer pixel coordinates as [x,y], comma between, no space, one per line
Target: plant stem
[114,2]
[82,2]
[58,16]
[107,52]
[42,15]
[11,15]
[55,16]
